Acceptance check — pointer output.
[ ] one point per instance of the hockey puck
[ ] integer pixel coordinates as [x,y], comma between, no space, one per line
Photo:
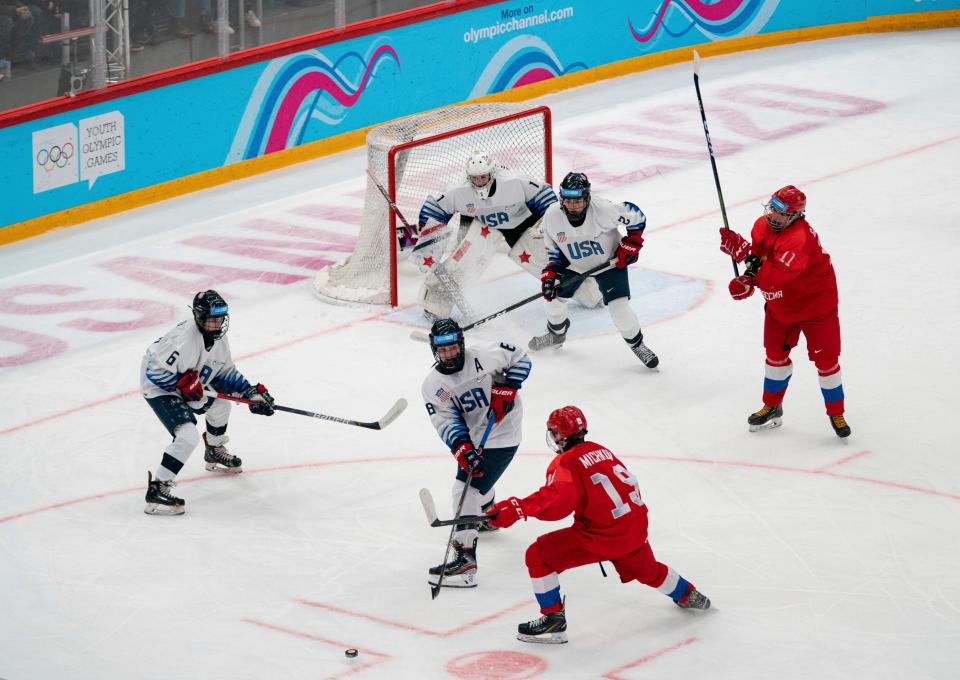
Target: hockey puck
[351,653]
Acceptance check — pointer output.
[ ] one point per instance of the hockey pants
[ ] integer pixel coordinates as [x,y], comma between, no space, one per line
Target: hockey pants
[181,421]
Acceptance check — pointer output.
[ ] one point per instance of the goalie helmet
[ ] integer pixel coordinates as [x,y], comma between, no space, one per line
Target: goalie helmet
[480,173]
[446,341]
[211,314]
[575,188]
[566,427]
[786,206]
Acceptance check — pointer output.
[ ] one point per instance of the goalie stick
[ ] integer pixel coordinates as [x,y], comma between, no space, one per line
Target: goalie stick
[450,287]
[713,161]
[435,589]
[430,509]
[387,418]
[425,337]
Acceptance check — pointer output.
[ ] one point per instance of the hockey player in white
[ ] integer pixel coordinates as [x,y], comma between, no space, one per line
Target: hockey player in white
[580,233]
[175,371]
[461,391]
[494,207]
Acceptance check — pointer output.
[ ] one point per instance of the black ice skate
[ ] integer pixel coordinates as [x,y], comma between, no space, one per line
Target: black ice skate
[218,459]
[460,572]
[840,426]
[549,629]
[159,499]
[766,418]
[643,352]
[694,599]
[554,337]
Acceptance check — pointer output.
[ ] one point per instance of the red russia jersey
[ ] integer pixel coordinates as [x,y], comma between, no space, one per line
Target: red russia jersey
[797,277]
[591,482]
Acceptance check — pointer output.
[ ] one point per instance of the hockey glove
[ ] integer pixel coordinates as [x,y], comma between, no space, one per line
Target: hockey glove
[549,284]
[407,237]
[628,251]
[262,401]
[733,244]
[741,287]
[502,400]
[505,514]
[190,386]
[468,457]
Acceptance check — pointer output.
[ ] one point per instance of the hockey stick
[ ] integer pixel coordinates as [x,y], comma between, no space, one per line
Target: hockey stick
[439,269]
[713,161]
[420,335]
[387,418]
[430,509]
[435,589]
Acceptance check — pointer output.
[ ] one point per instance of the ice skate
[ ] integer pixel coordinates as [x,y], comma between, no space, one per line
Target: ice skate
[549,629]
[160,501]
[218,459]
[554,337]
[840,426]
[460,572]
[766,418]
[486,528]
[694,599]
[643,353]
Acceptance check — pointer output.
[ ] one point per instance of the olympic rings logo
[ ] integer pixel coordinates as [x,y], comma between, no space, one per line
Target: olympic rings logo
[55,157]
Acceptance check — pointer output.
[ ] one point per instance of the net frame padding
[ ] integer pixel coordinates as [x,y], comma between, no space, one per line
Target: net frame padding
[423,155]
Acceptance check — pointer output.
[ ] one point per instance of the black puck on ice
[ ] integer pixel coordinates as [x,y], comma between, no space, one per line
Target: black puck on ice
[351,653]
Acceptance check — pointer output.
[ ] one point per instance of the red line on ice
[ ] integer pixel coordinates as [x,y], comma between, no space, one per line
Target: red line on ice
[612,675]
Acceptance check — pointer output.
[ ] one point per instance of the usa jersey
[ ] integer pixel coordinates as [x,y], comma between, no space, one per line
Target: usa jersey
[512,201]
[593,242]
[457,403]
[591,482]
[182,349]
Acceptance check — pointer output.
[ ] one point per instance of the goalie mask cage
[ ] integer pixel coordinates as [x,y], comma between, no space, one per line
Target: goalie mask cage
[423,155]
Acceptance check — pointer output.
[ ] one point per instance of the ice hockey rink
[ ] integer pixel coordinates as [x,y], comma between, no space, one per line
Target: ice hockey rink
[823,558]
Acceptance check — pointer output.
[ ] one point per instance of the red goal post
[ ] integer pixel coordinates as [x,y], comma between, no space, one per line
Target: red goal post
[423,155]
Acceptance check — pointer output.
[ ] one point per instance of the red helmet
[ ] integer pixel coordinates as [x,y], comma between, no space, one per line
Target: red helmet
[565,424]
[786,205]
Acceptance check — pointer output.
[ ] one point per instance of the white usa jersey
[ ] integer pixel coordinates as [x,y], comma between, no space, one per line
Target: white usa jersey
[513,201]
[457,404]
[593,242]
[182,349]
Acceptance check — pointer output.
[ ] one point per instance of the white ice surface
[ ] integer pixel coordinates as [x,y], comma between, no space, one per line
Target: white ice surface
[823,559]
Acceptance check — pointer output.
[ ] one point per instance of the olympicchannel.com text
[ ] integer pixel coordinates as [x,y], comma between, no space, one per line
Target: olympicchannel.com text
[517,20]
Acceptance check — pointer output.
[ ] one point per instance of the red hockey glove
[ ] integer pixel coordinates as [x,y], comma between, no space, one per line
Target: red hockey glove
[733,244]
[501,400]
[506,513]
[741,287]
[549,284]
[190,386]
[262,401]
[468,457]
[628,251]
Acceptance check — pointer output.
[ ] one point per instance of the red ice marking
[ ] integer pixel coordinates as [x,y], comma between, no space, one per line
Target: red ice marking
[734,119]
[156,272]
[417,629]
[150,312]
[364,653]
[330,213]
[612,675]
[272,250]
[285,229]
[496,665]
[789,98]
[36,347]
[628,136]
[842,461]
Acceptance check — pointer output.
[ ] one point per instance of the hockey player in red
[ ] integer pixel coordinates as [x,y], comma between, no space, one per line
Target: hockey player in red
[793,272]
[610,523]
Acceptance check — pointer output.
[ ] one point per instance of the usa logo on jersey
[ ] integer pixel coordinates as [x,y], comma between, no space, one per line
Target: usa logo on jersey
[562,237]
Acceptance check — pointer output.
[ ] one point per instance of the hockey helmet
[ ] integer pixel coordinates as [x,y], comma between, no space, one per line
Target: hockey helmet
[211,314]
[575,197]
[446,341]
[566,427]
[785,207]
[480,173]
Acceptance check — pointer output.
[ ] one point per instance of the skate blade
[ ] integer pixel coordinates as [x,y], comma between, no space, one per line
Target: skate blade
[214,467]
[547,639]
[769,425]
[160,509]
[457,581]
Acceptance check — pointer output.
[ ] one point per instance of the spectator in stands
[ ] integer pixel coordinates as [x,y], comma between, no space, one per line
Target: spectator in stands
[24,33]
[6,44]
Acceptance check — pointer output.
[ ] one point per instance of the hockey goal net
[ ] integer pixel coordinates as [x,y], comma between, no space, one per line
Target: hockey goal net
[422,155]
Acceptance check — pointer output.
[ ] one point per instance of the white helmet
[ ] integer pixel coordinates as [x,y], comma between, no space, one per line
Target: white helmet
[481,168]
